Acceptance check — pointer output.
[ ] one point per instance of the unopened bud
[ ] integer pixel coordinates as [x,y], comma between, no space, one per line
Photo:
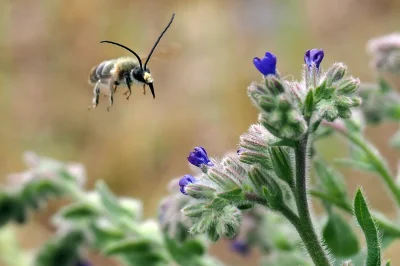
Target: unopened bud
[348,85]
[335,73]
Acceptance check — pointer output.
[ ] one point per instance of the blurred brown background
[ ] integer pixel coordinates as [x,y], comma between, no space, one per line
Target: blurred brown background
[47,48]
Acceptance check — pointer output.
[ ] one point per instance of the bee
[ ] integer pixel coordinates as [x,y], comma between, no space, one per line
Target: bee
[110,74]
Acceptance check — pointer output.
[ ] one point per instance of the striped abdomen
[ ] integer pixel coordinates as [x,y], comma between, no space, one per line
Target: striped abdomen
[101,71]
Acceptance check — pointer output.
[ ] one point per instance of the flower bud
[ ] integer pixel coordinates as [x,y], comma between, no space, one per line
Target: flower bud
[266,65]
[348,85]
[199,157]
[274,85]
[184,181]
[313,57]
[199,191]
[335,73]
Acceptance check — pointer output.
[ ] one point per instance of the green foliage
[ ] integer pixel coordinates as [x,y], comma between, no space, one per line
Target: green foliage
[367,224]
[62,250]
[339,237]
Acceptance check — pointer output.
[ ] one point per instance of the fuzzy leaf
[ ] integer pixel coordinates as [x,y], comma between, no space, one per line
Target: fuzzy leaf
[339,236]
[195,210]
[367,224]
[111,202]
[384,85]
[356,164]
[330,180]
[7,206]
[309,104]
[282,164]
[234,195]
[78,211]
[129,246]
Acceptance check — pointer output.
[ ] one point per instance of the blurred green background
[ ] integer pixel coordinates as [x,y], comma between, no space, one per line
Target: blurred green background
[47,48]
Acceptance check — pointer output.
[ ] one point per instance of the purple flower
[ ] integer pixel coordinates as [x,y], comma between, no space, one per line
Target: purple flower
[266,65]
[314,56]
[199,157]
[240,247]
[186,180]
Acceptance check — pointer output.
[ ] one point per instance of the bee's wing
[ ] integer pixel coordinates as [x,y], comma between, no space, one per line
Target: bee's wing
[165,52]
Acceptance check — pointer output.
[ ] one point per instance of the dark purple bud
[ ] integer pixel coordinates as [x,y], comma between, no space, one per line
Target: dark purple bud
[266,65]
[314,56]
[240,247]
[199,157]
[184,181]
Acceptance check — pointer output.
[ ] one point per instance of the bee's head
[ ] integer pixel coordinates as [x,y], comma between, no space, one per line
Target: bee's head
[143,76]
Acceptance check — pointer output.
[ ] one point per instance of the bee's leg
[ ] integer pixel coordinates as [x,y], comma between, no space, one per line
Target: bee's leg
[96,95]
[144,89]
[111,96]
[115,86]
[128,84]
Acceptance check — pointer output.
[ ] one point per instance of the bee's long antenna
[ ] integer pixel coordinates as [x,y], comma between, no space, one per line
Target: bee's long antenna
[158,40]
[123,46]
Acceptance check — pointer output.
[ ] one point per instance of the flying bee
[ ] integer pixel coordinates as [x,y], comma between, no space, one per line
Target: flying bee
[108,75]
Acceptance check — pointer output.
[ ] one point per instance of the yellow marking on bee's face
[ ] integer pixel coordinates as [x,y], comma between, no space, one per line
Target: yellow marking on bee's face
[147,77]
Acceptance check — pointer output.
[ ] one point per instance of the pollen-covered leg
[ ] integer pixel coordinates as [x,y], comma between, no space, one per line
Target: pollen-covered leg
[111,96]
[96,95]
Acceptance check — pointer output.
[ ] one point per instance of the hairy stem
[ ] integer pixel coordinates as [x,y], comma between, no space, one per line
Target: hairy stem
[305,226]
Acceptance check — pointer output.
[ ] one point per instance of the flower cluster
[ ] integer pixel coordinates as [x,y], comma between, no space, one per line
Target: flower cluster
[262,172]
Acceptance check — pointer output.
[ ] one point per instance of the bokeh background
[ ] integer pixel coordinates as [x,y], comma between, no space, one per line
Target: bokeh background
[204,66]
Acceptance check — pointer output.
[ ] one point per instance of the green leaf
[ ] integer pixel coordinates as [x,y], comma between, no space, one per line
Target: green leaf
[7,206]
[367,224]
[130,246]
[282,258]
[186,253]
[195,210]
[384,85]
[330,181]
[193,247]
[20,214]
[105,233]
[356,164]
[309,104]
[282,164]
[78,211]
[234,195]
[339,236]
[388,263]
[283,143]
[111,202]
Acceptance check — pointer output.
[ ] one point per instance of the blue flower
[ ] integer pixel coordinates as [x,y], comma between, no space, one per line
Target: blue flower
[314,56]
[199,157]
[266,65]
[186,180]
[240,247]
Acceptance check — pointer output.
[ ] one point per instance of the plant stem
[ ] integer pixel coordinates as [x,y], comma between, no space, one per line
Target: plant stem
[305,226]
